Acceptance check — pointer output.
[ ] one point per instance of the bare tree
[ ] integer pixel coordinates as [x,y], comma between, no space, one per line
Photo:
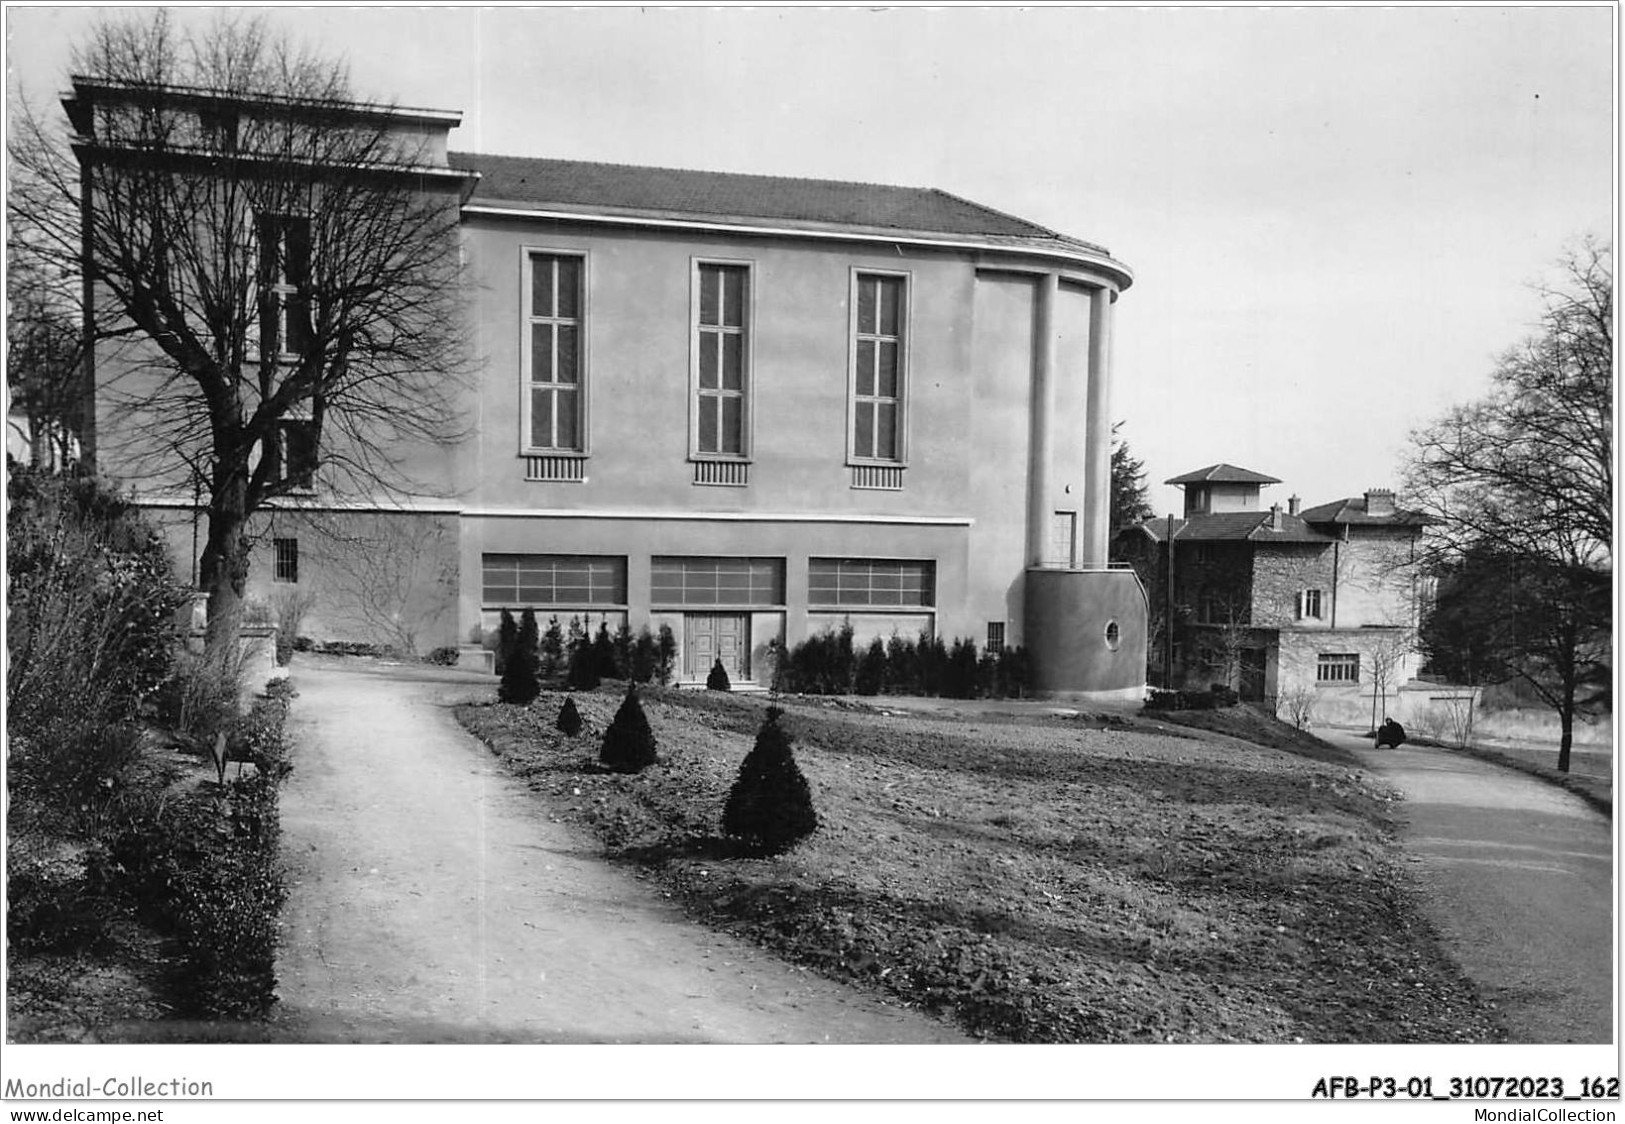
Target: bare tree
[44,357]
[1521,483]
[1297,704]
[1227,637]
[272,271]
[44,349]
[1386,655]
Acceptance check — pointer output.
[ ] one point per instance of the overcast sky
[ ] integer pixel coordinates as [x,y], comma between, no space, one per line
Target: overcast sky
[1333,215]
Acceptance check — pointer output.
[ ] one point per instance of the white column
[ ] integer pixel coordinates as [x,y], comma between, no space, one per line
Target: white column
[1097,448]
[1042,421]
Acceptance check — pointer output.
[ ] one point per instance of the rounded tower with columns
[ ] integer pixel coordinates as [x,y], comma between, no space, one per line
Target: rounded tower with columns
[1084,621]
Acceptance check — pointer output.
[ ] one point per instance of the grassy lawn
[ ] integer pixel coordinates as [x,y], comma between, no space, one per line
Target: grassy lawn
[1037,878]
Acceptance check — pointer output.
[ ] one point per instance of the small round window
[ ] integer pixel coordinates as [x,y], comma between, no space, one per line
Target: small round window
[1114,635]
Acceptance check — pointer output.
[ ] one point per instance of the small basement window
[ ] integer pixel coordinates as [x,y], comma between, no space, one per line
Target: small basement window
[1337,667]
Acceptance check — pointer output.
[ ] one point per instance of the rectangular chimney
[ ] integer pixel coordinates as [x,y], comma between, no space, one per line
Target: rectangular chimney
[1379,501]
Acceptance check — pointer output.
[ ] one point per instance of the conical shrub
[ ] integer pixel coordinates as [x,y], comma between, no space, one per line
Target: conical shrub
[718,679]
[569,720]
[770,806]
[629,744]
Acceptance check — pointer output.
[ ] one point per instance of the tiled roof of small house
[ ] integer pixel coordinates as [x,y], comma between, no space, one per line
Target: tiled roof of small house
[1235,526]
[633,190]
[1223,474]
[1353,511]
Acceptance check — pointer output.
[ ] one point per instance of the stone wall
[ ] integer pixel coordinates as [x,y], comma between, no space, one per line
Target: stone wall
[1280,574]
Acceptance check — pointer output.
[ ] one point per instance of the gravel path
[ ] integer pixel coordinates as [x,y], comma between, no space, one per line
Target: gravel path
[433,901]
[1518,875]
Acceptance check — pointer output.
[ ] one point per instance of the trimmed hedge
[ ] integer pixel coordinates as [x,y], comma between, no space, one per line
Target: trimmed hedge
[1214,698]
[828,664]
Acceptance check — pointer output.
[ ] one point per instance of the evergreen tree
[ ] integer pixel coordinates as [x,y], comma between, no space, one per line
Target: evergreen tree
[959,677]
[583,674]
[603,653]
[1130,503]
[519,683]
[665,654]
[933,656]
[871,674]
[844,661]
[645,656]
[770,806]
[629,744]
[530,639]
[718,679]
[624,645]
[902,666]
[507,637]
[569,720]
[553,660]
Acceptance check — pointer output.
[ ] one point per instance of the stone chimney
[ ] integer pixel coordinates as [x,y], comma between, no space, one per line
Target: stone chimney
[1275,517]
[1293,504]
[1379,501]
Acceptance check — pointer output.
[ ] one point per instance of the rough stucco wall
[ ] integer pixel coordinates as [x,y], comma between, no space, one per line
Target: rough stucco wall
[377,578]
[372,578]
[1299,654]
[1376,578]
[1221,498]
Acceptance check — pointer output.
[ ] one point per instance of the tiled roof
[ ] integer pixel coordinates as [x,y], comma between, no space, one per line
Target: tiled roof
[1223,474]
[1352,510]
[1235,526]
[631,189]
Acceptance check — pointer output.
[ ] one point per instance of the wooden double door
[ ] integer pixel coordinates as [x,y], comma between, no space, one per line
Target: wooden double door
[708,637]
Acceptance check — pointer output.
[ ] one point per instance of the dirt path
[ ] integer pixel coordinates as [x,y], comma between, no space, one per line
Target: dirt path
[1518,875]
[435,902]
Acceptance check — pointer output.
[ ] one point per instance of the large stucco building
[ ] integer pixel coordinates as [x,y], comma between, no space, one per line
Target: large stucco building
[749,407]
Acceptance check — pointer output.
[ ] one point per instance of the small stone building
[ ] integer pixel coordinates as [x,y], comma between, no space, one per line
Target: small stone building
[1297,606]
